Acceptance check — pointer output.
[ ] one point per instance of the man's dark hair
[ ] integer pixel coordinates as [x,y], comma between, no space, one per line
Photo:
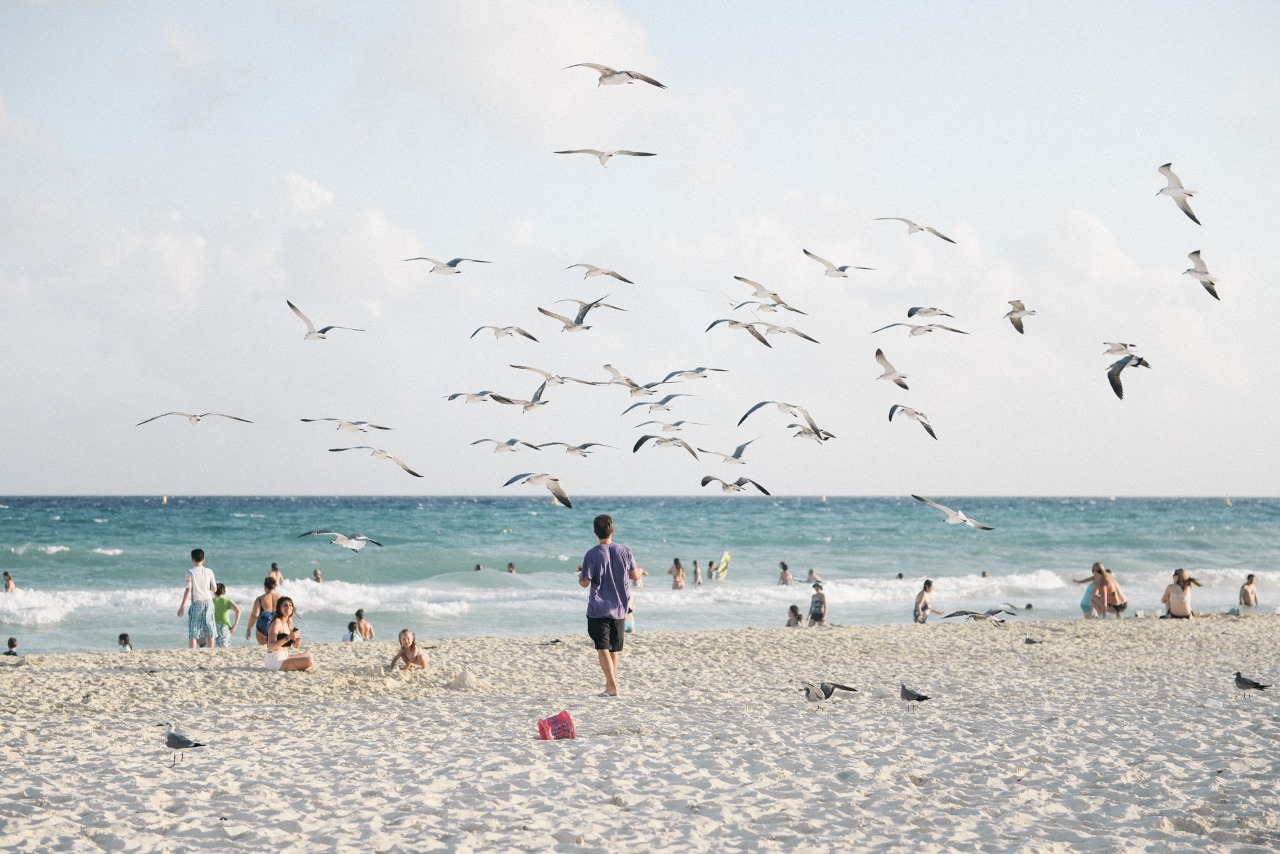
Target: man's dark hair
[603,525]
[197,555]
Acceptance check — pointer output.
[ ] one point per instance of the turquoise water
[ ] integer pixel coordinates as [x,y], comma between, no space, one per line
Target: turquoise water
[89,568]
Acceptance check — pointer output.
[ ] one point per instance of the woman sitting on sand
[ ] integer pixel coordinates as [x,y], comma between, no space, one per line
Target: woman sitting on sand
[264,610]
[795,619]
[409,652]
[1177,596]
[284,640]
[677,575]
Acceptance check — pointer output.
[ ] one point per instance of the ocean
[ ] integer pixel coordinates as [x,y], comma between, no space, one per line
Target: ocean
[89,568]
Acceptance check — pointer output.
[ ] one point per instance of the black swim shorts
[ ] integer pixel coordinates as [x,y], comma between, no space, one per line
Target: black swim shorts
[1119,607]
[606,632]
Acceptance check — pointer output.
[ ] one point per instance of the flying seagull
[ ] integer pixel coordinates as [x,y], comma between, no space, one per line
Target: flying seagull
[195,419]
[738,324]
[795,412]
[926,311]
[504,332]
[576,450]
[447,268]
[767,295]
[525,405]
[379,454]
[1244,683]
[692,374]
[736,486]
[593,270]
[613,77]
[539,479]
[912,227]
[550,378]
[920,417]
[920,329]
[1019,311]
[510,446]
[769,307]
[735,458]
[176,741]
[576,325]
[345,426]
[823,691]
[1175,191]
[314,334]
[804,431]
[355,542]
[633,388]
[834,272]
[603,156]
[1200,273]
[1113,372]
[954,517]
[657,406]
[665,442]
[469,397]
[911,696]
[671,426]
[890,372]
[774,329]
[1117,348]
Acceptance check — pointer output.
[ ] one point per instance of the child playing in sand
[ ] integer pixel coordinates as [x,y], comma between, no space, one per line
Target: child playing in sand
[125,644]
[409,652]
[795,619]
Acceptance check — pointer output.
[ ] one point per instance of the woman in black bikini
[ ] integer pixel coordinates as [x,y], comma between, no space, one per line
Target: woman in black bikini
[264,610]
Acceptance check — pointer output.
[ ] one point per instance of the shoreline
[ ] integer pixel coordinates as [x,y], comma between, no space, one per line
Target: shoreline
[1124,735]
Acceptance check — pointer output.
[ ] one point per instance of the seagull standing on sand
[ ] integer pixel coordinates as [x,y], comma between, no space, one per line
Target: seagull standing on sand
[603,156]
[1177,192]
[355,542]
[834,272]
[504,332]
[176,741]
[378,454]
[1113,372]
[890,372]
[1019,311]
[954,517]
[193,418]
[447,268]
[917,329]
[1200,273]
[912,227]
[540,479]
[736,486]
[345,426]
[314,334]
[823,691]
[911,696]
[665,442]
[593,270]
[918,417]
[613,77]
[1244,683]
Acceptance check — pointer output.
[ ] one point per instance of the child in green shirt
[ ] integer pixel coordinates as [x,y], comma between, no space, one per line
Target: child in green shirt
[222,608]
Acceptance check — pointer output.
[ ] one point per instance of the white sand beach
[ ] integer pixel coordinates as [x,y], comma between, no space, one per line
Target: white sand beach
[1105,737]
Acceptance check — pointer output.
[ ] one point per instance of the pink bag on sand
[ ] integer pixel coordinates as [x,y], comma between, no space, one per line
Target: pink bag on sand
[556,726]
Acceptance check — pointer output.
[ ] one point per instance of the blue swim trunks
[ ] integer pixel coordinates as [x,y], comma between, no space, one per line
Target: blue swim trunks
[200,621]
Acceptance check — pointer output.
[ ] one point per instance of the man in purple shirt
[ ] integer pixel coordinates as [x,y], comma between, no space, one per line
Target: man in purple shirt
[607,570]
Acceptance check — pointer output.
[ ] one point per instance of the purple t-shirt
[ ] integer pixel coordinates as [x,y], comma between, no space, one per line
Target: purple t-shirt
[609,568]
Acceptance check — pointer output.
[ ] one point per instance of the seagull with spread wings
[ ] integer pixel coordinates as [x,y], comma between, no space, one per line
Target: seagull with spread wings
[314,334]
[735,486]
[378,454]
[505,332]
[604,156]
[832,271]
[764,294]
[1201,274]
[576,323]
[665,442]
[614,77]
[345,426]
[541,479]
[447,268]
[525,405]
[582,450]
[912,227]
[890,372]
[739,324]
[1177,192]
[920,329]
[1113,372]
[355,542]
[919,417]
[510,446]
[954,517]
[593,270]
[657,405]
[194,418]
[1018,312]
[736,457]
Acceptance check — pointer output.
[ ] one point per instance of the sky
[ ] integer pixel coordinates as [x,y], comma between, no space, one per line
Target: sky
[171,174]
